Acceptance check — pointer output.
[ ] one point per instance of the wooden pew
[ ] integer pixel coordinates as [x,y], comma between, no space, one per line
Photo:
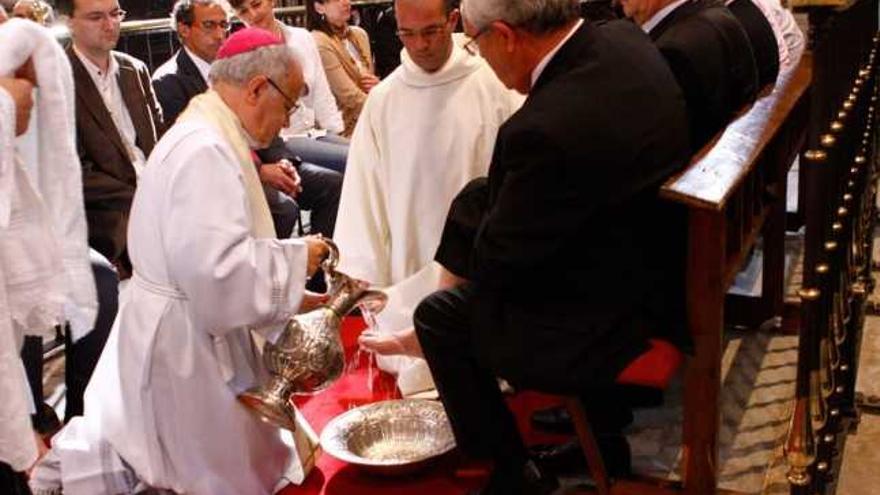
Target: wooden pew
[734,191]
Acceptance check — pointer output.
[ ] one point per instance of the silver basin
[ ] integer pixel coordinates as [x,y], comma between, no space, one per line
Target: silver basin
[391,437]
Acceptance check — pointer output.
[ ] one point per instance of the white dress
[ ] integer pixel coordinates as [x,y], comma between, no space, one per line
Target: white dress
[420,138]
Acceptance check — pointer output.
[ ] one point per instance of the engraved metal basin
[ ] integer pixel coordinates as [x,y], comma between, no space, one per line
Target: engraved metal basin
[391,437]
[308,355]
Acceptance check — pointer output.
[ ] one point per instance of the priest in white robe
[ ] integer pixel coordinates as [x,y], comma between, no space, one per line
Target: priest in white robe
[424,132]
[161,409]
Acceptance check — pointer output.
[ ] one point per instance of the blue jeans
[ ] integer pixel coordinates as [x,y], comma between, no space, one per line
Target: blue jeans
[330,151]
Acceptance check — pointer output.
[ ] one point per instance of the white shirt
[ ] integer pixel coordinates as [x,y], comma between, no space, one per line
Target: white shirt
[420,138]
[661,14]
[536,72]
[203,67]
[107,83]
[318,108]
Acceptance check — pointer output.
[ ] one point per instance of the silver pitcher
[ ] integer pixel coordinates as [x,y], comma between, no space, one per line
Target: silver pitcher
[308,355]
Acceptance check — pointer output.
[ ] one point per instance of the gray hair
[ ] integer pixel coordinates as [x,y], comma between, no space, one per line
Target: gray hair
[273,61]
[534,16]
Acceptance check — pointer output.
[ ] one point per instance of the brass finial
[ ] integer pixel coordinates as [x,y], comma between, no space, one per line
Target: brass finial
[810,294]
[815,155]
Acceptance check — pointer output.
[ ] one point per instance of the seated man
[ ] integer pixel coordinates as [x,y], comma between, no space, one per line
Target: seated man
[571,197]
[403,172]
[709,54]
[202,26]
[766,48]
[161,409]
[117,124]
[787,35]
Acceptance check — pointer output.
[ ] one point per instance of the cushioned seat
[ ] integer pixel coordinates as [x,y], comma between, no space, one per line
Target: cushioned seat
[655,368]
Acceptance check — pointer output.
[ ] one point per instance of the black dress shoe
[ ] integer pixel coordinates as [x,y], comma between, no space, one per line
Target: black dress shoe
[568,458]
[526,479]
[553,420]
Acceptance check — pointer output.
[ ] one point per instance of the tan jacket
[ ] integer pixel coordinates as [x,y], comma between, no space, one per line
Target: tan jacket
[343,73]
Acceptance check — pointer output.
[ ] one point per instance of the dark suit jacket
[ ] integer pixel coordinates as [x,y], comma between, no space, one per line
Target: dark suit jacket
[176,82]
[764,43]
[109,178]
[710,55]
[574,255]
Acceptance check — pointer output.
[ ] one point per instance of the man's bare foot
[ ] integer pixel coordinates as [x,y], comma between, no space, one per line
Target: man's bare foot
[389,344]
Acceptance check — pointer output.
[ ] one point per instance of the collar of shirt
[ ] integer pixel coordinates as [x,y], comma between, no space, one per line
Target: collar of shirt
[203,67]
[100,77]
[536,72]
[660,15]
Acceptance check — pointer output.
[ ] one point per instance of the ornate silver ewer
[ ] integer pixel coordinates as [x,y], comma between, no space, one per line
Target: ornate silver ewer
[308,355]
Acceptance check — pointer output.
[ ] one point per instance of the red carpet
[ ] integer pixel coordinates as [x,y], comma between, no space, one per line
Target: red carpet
[446,477]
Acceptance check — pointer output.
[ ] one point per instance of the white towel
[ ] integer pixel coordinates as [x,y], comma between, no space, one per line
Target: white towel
[56,175]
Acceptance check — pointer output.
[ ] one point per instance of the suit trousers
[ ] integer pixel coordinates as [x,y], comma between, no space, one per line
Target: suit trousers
[321,188]
[82,356]
[483,425]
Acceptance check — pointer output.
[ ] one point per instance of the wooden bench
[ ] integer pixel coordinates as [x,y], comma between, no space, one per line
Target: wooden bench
[734,191]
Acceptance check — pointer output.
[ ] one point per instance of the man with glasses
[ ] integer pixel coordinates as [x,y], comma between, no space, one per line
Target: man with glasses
[201,27]
[118,122]
[424,132]
[571,198]
[208,269]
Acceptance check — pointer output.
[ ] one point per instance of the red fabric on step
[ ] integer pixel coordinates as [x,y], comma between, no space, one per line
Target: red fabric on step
[448,476]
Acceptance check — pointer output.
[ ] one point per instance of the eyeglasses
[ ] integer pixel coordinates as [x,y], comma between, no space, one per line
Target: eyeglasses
[115,15]
[471,46]
[292,104]
[212,25]
[429,32]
